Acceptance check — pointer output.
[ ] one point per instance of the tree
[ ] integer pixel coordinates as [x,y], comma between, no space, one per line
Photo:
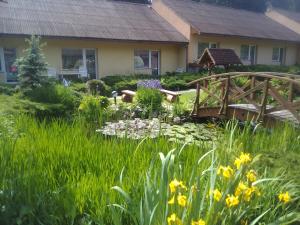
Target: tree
[32,65]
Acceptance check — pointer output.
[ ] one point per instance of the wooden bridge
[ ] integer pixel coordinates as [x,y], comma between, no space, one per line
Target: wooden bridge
[260,97]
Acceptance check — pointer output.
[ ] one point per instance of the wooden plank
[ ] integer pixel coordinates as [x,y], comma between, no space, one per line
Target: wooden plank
[283,102]
[252,90]
[263,108]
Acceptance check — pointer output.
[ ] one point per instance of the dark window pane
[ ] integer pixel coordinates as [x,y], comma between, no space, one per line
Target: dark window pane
[72,58]
[91,63]
[245,52]
[201,48]
[141,59]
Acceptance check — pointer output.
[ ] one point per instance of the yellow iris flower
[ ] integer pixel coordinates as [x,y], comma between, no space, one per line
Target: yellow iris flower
[232,201]
[226,171]
[199,222]
[284,197]
[181,199]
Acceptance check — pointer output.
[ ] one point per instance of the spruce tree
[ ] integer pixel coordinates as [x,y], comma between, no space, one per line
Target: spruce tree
[32,65]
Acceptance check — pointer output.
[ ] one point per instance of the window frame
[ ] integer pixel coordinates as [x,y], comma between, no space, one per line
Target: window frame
[83,51]
[249,52]
[209,44]
[2,62]
[280,55]
[150,59]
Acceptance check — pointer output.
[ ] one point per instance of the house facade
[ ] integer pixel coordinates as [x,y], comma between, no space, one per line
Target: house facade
[98,38]
[90,38]
[256,38]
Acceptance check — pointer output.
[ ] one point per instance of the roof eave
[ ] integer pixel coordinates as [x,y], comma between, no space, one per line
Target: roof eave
[95,39]
[247,37]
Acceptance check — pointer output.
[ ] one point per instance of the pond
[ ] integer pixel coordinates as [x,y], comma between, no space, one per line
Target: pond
[153,128]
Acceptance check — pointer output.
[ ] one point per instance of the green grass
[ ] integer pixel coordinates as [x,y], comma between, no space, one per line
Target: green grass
[9,104]
[62,173]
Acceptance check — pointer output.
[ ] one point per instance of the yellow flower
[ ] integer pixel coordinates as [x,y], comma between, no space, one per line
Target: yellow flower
[244,222]
[174,184]
[227,171]
[174,220]
[243,159]
[199,222]
[251,176]
[172,200]
[248,194]
[232,200]
[217,195]
[181,200]
[240,189]
[194,189]
[284,197]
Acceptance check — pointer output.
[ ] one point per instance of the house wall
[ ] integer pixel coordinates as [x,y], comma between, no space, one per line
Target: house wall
[112,57]
[264,48]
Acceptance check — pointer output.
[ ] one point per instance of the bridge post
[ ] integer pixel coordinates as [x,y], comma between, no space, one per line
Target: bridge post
[263,107]
[252,95]
[197,101]
[225,94]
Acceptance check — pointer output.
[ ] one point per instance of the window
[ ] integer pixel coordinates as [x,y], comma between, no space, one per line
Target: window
[202,46]
[83,60]
[245,52]
[72,58]
[147,59]
[248,53]
[277,55]
[141,59]
[1,60]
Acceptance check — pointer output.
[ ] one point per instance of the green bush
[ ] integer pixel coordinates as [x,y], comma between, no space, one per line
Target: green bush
[51,100]
[125,85]
[150,101]
[7,89]
[92,107]
[98,87]
[79,87]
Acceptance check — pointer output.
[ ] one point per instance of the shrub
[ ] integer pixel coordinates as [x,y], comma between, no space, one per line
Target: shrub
[51,101]
[79,87]
[6,89]
[98,87]
[32,65]
[150,101]
[91,107]
[125,85]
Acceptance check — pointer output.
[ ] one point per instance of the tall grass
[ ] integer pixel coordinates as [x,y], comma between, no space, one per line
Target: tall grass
[62,173]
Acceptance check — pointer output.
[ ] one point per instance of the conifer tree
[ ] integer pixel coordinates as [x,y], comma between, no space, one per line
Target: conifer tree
[32,65]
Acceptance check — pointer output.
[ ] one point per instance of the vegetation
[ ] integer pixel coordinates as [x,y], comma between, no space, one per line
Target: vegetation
[150,101]
[64,174]
[32,66]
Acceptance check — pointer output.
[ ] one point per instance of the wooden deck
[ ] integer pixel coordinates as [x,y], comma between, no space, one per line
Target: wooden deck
[258,97]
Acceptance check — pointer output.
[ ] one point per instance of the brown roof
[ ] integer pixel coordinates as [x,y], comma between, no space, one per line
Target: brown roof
[219,56]
[290,14]
[218,20]
[100,19]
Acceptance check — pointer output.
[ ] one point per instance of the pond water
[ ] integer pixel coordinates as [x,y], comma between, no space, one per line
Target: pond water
[139,129]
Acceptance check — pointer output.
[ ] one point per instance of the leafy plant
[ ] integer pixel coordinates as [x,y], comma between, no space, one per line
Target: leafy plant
[232,194]
[98,87]
[150,101]
[32,66]
[92,107]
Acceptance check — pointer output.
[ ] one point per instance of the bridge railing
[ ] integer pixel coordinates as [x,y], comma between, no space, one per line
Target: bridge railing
[258,90]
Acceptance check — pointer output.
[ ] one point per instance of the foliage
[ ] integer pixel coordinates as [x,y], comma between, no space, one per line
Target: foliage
[98,87]
[52,100]
[154,84]
[233,194]
[32,66]
[61,173]
[7,89]
[92,107]
[187,133]
[149,100]
[79,87]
